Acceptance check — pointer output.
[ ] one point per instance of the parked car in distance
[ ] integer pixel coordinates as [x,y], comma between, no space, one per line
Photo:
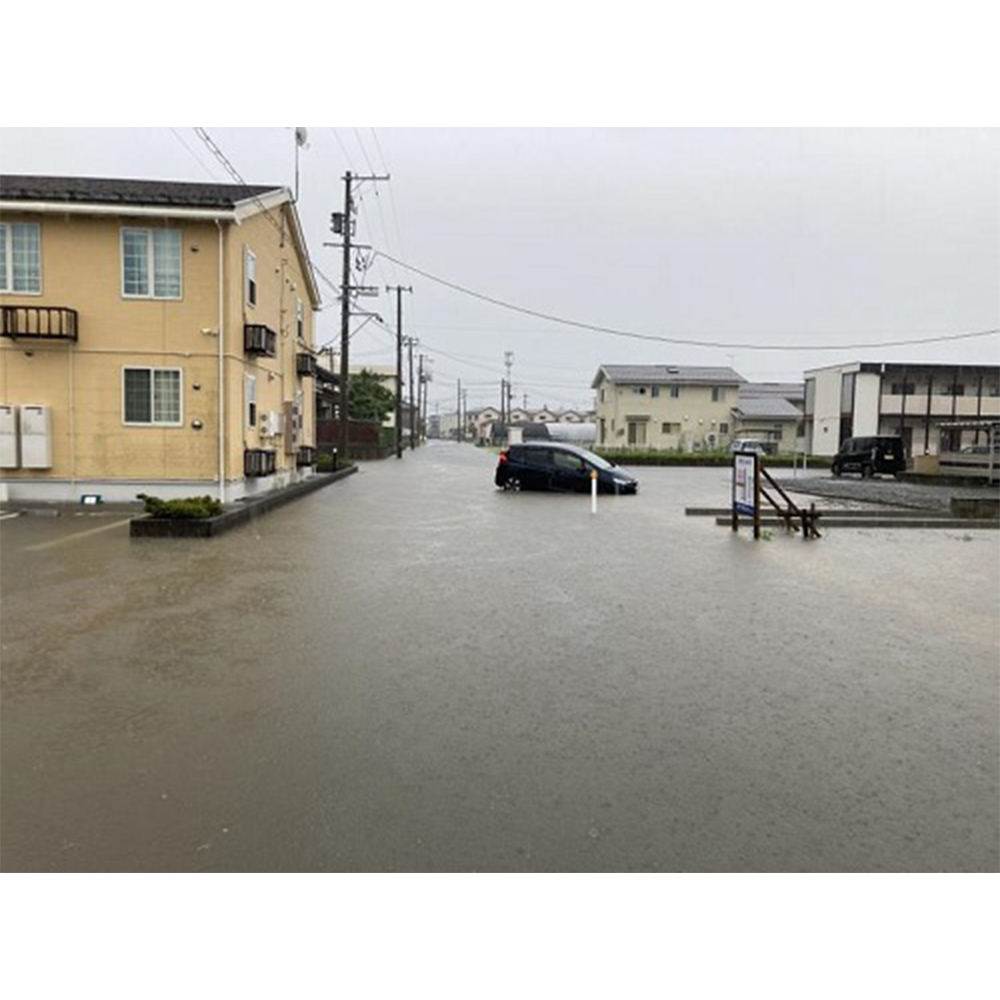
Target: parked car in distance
[563,468]
[870,456]
[748,444]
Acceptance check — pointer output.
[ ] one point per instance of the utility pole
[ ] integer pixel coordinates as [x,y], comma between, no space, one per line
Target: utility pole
[343,224]
[426,379]
[508,360]
[399,364]
[503,397]
[410,342]
[458,414]
[345,325]
[420,396]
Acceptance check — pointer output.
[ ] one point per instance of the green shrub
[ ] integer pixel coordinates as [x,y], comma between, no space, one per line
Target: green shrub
[183,509]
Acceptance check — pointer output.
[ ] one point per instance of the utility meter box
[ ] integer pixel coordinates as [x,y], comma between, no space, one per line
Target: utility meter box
[36,437]
[10,445]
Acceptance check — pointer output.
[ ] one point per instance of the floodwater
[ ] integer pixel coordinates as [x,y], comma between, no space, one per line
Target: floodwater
[411,671]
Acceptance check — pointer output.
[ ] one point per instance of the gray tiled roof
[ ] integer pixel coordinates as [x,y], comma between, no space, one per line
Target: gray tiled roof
[666,374]
[784,390]
[767,406]
[122,191]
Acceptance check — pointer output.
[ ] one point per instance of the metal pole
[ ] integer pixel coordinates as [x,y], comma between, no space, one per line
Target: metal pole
[399,365]
[345,322]
[413,443]
[399,372]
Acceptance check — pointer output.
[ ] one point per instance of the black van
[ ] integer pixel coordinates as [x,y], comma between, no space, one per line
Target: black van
[870,455]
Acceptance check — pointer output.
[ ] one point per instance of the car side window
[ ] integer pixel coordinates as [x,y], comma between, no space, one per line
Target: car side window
[537,457]
[567,461]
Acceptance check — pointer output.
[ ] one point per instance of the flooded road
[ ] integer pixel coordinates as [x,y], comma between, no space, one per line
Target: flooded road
[410,670]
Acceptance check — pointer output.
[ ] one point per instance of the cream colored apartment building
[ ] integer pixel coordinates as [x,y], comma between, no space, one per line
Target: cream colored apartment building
[665,407]
[156,338]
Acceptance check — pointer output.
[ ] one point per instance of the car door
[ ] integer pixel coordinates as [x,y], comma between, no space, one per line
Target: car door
[570,472]
[537,471]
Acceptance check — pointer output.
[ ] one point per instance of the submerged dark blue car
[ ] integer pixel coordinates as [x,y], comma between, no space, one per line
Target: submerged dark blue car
[560,467]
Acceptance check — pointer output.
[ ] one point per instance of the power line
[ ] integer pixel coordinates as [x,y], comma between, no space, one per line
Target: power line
[392,199]
[687,341]
[194,154]
[235,174]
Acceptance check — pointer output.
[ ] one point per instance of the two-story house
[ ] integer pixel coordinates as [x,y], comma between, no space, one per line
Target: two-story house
[156,337]
[664,407]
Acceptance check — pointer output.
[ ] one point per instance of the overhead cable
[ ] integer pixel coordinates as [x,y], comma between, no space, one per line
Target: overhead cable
[688,341]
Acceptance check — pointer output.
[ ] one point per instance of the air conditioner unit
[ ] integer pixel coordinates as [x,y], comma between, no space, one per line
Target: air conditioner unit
[274,422]
[264,424]
[10,445]
[36,437]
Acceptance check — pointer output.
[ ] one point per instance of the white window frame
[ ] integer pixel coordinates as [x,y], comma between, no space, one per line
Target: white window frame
[250,400]
[7,277]
[150,292]
[179,422]
[250,278]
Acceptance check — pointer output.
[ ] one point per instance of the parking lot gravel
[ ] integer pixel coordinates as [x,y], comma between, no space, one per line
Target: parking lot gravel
[887,492]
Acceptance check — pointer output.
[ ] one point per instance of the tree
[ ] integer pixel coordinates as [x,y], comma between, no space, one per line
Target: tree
[370,400]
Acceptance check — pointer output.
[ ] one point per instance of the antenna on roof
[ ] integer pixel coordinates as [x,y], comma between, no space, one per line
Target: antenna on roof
[301,139]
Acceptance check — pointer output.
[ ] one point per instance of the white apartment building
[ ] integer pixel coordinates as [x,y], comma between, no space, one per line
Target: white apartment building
[922,403]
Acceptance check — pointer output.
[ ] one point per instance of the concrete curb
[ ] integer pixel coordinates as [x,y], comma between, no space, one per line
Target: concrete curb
[209,527]
[836,521]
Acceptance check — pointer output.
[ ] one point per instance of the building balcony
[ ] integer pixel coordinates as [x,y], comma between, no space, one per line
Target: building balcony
[39,322]
[259,462]
[260,340]
[940,406]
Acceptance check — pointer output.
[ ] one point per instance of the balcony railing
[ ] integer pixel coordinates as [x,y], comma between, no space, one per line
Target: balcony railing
[259,339]
[259,462]
[40,322]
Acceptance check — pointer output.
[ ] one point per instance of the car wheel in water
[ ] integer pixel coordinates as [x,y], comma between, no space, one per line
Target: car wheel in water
[867,472]
[835,469]
[513,484]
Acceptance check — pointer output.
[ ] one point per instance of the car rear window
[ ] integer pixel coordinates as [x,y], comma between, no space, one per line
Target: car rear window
[536,456]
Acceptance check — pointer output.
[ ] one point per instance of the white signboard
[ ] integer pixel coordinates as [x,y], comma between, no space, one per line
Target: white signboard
[744,482]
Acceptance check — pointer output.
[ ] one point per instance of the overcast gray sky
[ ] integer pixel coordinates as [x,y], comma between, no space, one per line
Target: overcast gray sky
[788,237]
